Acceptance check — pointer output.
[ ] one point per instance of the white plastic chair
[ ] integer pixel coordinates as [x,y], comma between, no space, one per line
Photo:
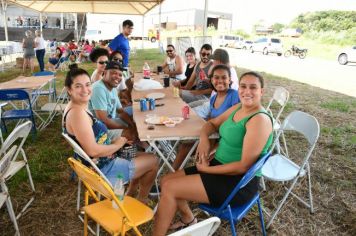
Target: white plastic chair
[4,194]
[281,168]
[203,228]
[281,97]
[54,108]
[79,151]
[19,133]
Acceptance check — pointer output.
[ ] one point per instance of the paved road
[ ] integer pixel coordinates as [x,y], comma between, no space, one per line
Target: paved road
[320,73]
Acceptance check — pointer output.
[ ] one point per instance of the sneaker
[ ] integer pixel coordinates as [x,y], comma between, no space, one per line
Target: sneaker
[153,191]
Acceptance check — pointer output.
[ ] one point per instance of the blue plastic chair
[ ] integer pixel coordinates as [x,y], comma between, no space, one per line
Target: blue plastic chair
[43,73]
[16,114]
[233,215]
[51,92]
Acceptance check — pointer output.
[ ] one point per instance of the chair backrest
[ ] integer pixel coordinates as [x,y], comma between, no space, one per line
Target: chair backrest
[204,228]
[94,183]
[63,96]
[6,160]
[13,95]
[281,96]
[304,124]
[79,151]
[249,175]
[20,132]
[43,73]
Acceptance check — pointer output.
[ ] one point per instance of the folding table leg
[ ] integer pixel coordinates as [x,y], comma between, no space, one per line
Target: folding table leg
[160,154]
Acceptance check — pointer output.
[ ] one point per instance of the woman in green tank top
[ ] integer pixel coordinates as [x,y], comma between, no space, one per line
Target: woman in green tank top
[246,134]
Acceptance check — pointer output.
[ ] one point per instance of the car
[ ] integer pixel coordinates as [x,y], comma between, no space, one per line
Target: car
[238,43]
[347,55]
[268,45]
[247,45]
[228,40]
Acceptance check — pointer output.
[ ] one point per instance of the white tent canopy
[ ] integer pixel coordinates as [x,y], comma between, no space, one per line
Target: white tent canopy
[134,7]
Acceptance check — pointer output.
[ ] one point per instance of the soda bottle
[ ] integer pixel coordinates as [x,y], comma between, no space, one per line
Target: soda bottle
[119,190]
[146,71]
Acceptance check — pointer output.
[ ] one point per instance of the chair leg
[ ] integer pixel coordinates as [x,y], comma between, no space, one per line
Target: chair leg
[12,214]
[282,201]
[310,190]
[261,217]
[231,220]
[28,170]
[78,195]
[85,224]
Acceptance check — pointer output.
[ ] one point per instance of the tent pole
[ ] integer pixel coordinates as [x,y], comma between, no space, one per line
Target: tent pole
[41,24]
[159,24]
[143,29]
[81,27]
[205,18]
[4,7]
[62,21]
[76,26]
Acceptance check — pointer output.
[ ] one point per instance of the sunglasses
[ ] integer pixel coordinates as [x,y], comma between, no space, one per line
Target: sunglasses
[167,51]
[203,54]
[103,62]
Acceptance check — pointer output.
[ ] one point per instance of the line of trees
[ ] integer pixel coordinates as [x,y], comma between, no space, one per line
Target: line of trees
[325,21]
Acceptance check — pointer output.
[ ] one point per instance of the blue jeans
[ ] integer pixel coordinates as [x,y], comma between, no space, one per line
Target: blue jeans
[119,166]
[40,58]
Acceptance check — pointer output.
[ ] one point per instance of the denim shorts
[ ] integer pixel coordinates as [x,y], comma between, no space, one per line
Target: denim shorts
[119,166]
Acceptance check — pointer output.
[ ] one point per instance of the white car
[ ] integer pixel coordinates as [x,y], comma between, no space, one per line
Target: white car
[268,45]
[347,55]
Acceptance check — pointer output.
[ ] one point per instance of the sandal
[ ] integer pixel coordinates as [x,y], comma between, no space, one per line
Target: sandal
[181,225]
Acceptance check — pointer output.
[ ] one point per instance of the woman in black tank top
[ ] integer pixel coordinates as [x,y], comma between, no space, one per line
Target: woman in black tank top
[91,135]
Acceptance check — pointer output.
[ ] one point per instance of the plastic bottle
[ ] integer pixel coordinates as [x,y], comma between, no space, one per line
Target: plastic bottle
[146,71]
[175,90]
[119,189]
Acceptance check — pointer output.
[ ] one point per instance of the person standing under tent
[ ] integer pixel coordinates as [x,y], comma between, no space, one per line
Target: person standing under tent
[121,43]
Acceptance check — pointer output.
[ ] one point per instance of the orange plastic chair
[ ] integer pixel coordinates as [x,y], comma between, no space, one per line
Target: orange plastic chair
[130,212]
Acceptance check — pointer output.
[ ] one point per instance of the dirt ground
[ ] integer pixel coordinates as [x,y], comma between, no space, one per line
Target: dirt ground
[332,166]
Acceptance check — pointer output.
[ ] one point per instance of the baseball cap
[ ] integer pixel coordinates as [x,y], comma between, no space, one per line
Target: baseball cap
[114,65]
[220,55]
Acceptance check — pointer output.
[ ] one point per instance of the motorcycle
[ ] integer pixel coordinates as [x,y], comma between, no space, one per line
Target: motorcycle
[295,51]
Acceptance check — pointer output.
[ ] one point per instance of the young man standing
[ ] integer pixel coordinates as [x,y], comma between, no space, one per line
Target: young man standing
[121,43]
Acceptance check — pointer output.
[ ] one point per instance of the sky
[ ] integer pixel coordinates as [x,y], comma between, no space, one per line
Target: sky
[246,13]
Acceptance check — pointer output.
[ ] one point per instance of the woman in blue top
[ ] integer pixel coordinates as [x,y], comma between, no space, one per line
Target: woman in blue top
[225,97]
[219,103]
[92,135]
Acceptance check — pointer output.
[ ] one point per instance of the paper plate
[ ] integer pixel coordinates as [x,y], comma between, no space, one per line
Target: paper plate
[155,95]
[156,120]
[153,120]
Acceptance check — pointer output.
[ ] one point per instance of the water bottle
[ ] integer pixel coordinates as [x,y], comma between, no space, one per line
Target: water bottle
[146,71]
[119,190]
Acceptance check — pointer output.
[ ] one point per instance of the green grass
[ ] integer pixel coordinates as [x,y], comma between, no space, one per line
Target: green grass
[337,105]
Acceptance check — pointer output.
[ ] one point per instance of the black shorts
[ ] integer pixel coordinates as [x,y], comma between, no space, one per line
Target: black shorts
[219,187]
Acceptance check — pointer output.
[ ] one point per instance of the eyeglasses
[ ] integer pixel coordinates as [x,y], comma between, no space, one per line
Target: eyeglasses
[203,54]
[167,51]
[103,62]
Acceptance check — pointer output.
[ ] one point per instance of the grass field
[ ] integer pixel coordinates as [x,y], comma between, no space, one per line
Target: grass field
[332,165]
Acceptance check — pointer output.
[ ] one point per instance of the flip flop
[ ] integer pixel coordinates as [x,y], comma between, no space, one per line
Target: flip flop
[181,225]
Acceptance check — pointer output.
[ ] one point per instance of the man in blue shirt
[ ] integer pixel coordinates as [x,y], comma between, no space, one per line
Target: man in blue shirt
[105,104]
[121,43]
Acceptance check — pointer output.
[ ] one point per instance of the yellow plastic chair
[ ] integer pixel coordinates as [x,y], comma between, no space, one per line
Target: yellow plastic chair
[130,213]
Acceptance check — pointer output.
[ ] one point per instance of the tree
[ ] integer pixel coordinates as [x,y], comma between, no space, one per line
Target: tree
[278,27]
